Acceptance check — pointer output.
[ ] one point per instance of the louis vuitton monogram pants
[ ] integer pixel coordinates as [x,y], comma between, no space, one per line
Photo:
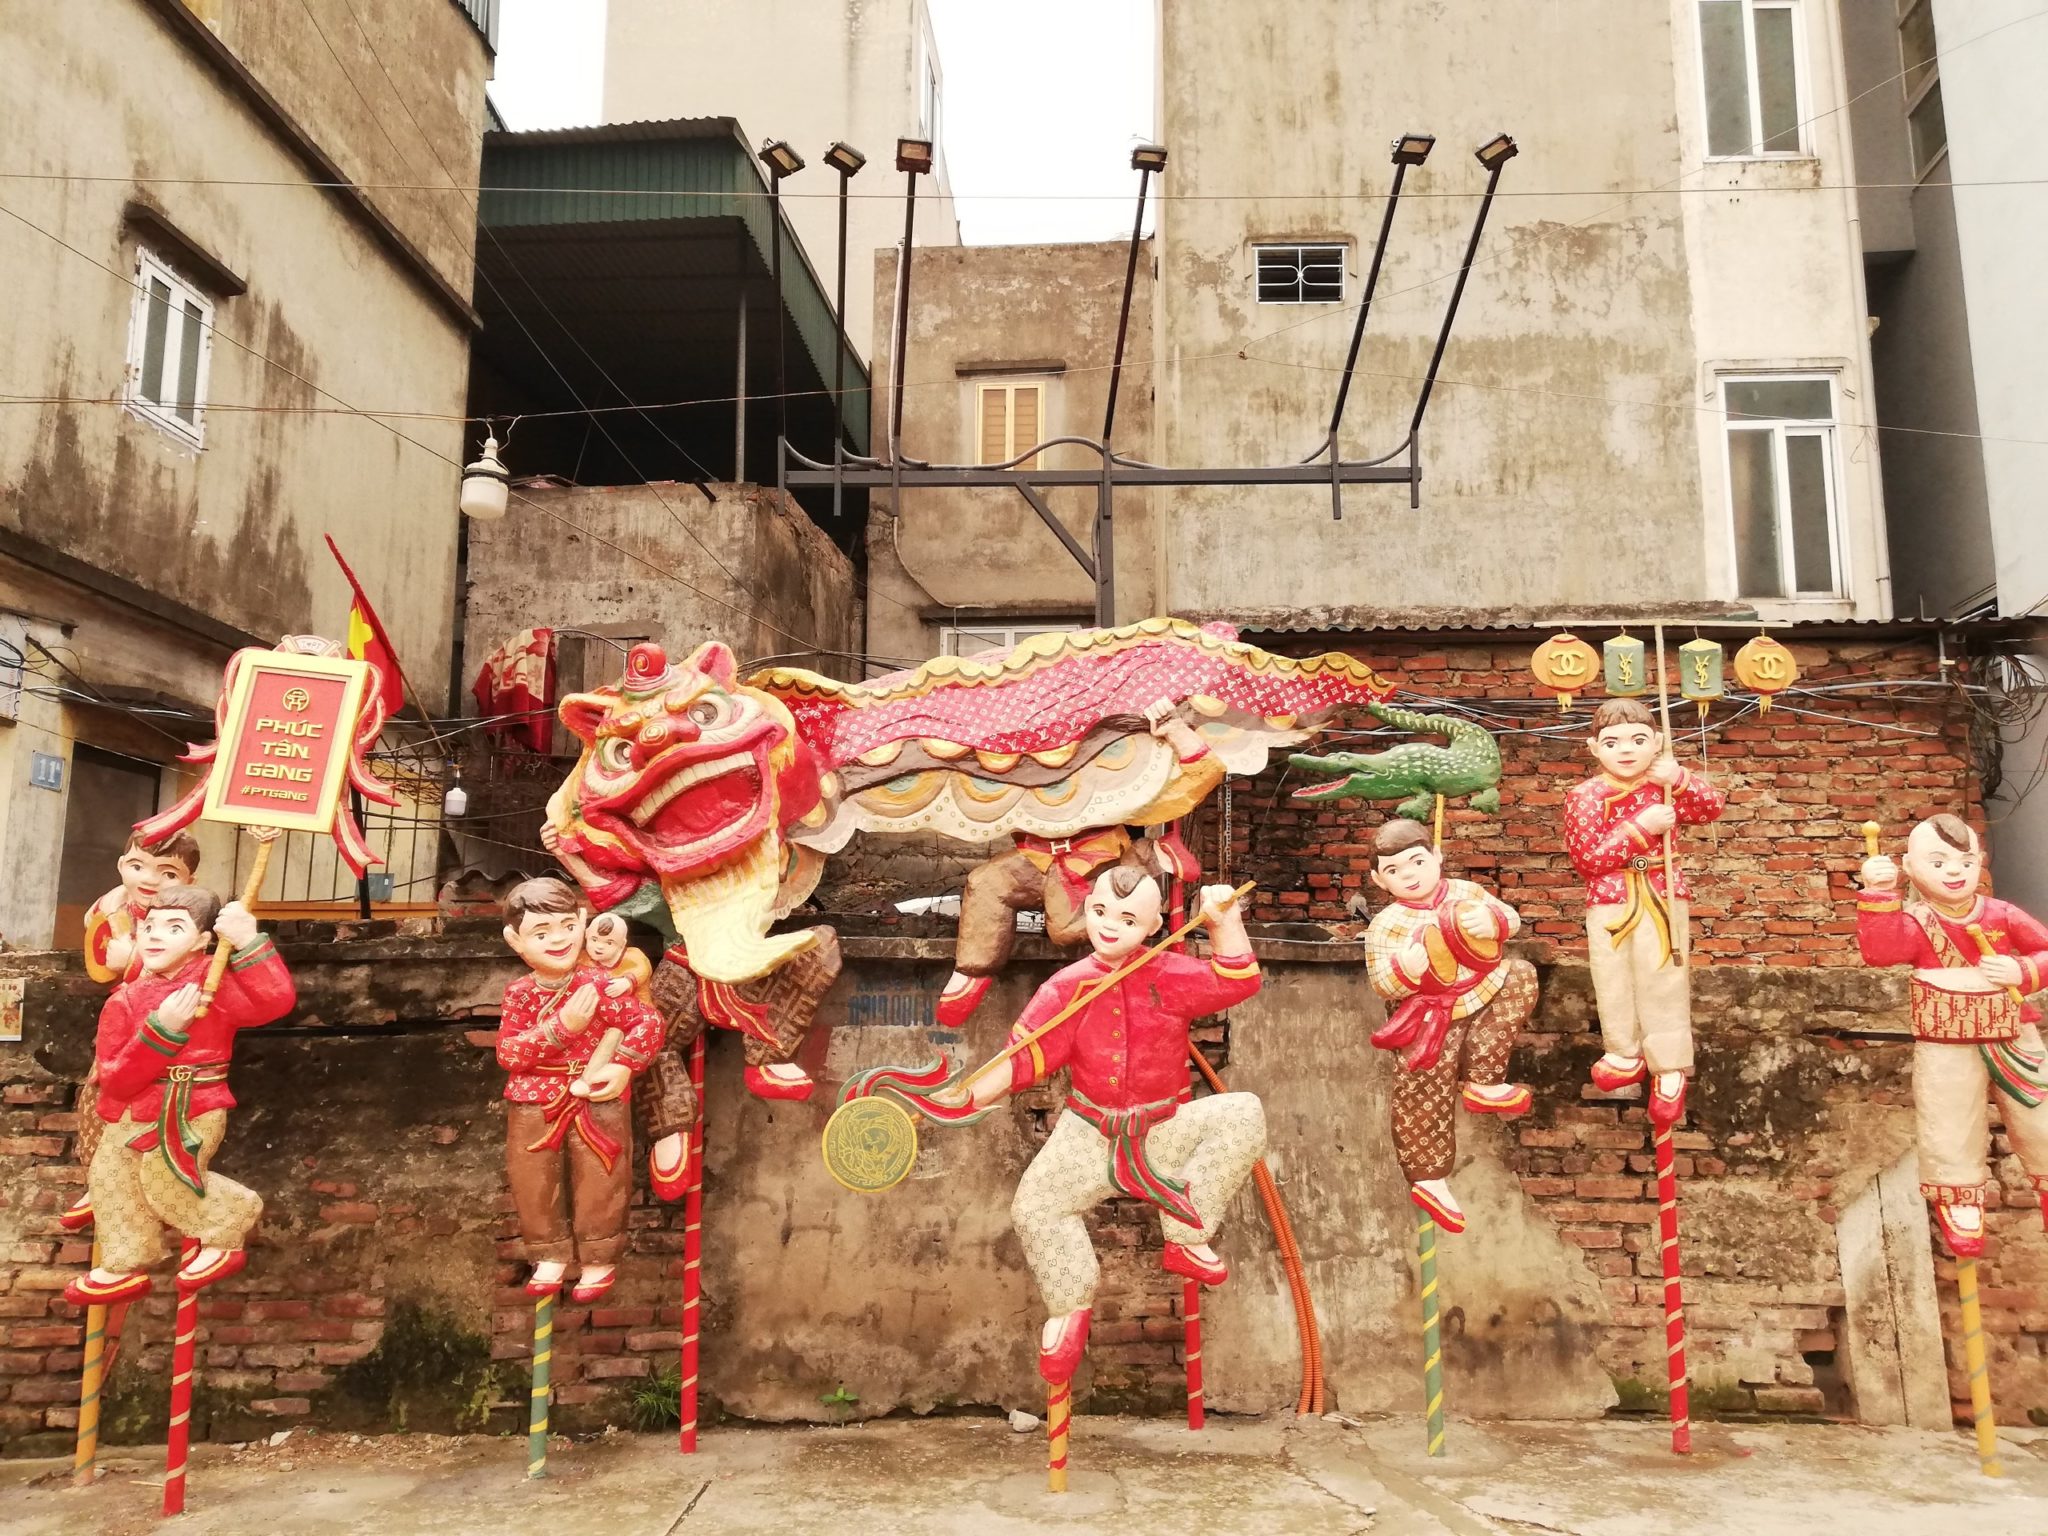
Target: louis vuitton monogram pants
[135,1195]
[1475,1051]
[1209,1144]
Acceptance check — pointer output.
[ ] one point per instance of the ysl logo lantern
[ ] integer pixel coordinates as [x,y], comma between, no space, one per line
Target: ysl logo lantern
[1564,665]
[1624,671]
[1699,673]
[1765,667]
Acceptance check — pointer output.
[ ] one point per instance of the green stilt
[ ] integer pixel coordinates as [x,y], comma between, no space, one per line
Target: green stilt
[1432,1335]
[543,1352]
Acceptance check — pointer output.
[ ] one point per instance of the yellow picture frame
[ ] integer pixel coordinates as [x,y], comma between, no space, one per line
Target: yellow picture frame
[333,773]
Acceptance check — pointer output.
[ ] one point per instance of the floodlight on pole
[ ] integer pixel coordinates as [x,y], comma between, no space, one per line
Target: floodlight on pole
[845,159]
[1148,157]
[914,156]
[1496,152]
[780,159]
[1413,148]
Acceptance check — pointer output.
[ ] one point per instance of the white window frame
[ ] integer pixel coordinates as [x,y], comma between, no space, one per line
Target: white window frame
[1802,85]
[1917,96]
[1007,385]
[1011,627]
[1779,428]
[163,414]
[1341,247]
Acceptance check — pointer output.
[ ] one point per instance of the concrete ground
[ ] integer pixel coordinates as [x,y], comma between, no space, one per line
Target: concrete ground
[1132,1477]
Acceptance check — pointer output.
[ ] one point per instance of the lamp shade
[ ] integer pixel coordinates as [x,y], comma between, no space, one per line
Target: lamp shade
[1564,665]
[1624,670]
[486,485]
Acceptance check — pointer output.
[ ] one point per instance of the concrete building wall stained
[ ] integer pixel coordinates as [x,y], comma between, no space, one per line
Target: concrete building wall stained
[149,559]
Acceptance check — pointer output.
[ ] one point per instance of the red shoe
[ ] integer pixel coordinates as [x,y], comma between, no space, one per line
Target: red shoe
[1667,1109]
[539,1288]
[78,1217]
[231,1262]
[669,1184]
[1448,1217]
[1964,1245]
[87,1292]
[1497,1098]
[596,1290]
[1610,1079]
[1059,1363]
[762,1086]
[957,1004]
[1178,1260]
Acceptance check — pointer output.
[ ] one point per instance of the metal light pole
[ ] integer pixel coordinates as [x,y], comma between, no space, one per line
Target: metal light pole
[1145,159]
[781,161]
[847,161]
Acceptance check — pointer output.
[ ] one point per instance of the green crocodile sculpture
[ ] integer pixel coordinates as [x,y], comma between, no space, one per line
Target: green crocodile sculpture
[1415,772]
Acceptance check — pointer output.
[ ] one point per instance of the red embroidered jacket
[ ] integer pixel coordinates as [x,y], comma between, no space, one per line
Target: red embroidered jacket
[134,1052]
[1605,842]
[1888,934]
[1129,1046]
[538,1054]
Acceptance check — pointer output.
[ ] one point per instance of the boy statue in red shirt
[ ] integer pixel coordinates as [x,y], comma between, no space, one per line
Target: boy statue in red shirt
[161,1059]
[572,1044]
[1975,960]
[1615,825]
[1129,1126]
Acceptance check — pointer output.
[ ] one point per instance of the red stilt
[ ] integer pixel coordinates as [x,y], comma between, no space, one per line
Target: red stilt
[1191,1321]
[1674,1295]
[184,1335]
[693,1221]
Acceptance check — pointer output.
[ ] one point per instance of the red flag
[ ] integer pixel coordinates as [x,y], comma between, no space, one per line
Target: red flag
[367,640]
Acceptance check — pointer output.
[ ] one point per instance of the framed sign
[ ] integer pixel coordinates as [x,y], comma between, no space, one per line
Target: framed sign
[286,741]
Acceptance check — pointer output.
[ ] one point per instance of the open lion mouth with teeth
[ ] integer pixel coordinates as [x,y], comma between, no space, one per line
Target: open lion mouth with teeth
[685,810]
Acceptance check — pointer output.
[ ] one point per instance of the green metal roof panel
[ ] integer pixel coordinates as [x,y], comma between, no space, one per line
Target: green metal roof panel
[642,173]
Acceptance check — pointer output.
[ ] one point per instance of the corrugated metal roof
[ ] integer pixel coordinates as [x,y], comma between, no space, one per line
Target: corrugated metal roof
[645,130]
[1478,622]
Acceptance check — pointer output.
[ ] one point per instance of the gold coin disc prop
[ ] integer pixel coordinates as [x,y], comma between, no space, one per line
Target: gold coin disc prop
[869,1145]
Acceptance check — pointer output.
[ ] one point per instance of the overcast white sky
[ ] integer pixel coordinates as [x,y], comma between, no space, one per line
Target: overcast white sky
[1040,113]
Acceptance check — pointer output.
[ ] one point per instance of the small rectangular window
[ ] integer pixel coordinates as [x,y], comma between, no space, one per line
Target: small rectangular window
[1783,510]
[1751,64]
[170,342]
[1926,127]
[994,636]
[1008,419]
[1301,274]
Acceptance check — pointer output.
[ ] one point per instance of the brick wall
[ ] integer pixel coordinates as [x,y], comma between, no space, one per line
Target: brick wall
[1771,879]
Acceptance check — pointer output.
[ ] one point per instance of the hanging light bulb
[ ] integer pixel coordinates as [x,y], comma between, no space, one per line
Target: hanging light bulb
[456,801]
[486,485]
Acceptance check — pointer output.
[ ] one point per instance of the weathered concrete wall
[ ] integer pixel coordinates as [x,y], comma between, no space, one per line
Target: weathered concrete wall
[378,1145]
[985,315]
[1573,445]
[807,74]
[748,567]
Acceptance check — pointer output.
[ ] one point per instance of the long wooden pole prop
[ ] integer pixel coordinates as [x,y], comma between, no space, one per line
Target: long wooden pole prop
[537,1404]
[693,1233]
[1667,1168]
[1425,1258]
[91,1380]
[185,1327]
[1974,1363]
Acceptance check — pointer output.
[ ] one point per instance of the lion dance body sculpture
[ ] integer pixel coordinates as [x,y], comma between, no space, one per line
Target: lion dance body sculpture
[706,805]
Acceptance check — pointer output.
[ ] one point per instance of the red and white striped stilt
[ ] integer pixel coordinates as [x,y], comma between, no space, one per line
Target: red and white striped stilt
[1674,1295]
[1191,1323]
[693,1223]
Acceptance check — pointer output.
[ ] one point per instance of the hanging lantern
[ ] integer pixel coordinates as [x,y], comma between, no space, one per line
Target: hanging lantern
[1624,672]
[1564,665]
[1699,673]
[1765,667]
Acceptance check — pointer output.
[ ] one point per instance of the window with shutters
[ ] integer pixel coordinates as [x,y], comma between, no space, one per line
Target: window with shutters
[1300,274]
[1920,76]
[1783,500]
[1009,418]
[170,343]
[1753,63]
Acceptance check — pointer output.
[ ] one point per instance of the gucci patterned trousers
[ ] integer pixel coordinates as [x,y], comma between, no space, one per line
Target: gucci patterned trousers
[1475,1051]
[1209,1144]
[135,1196]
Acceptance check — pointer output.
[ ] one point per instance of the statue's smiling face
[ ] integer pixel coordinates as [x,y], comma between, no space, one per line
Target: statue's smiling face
[1943,871]
[678,765]
[1119,925]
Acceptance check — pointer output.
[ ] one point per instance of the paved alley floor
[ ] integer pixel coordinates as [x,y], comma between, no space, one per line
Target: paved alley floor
[1132,1477]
